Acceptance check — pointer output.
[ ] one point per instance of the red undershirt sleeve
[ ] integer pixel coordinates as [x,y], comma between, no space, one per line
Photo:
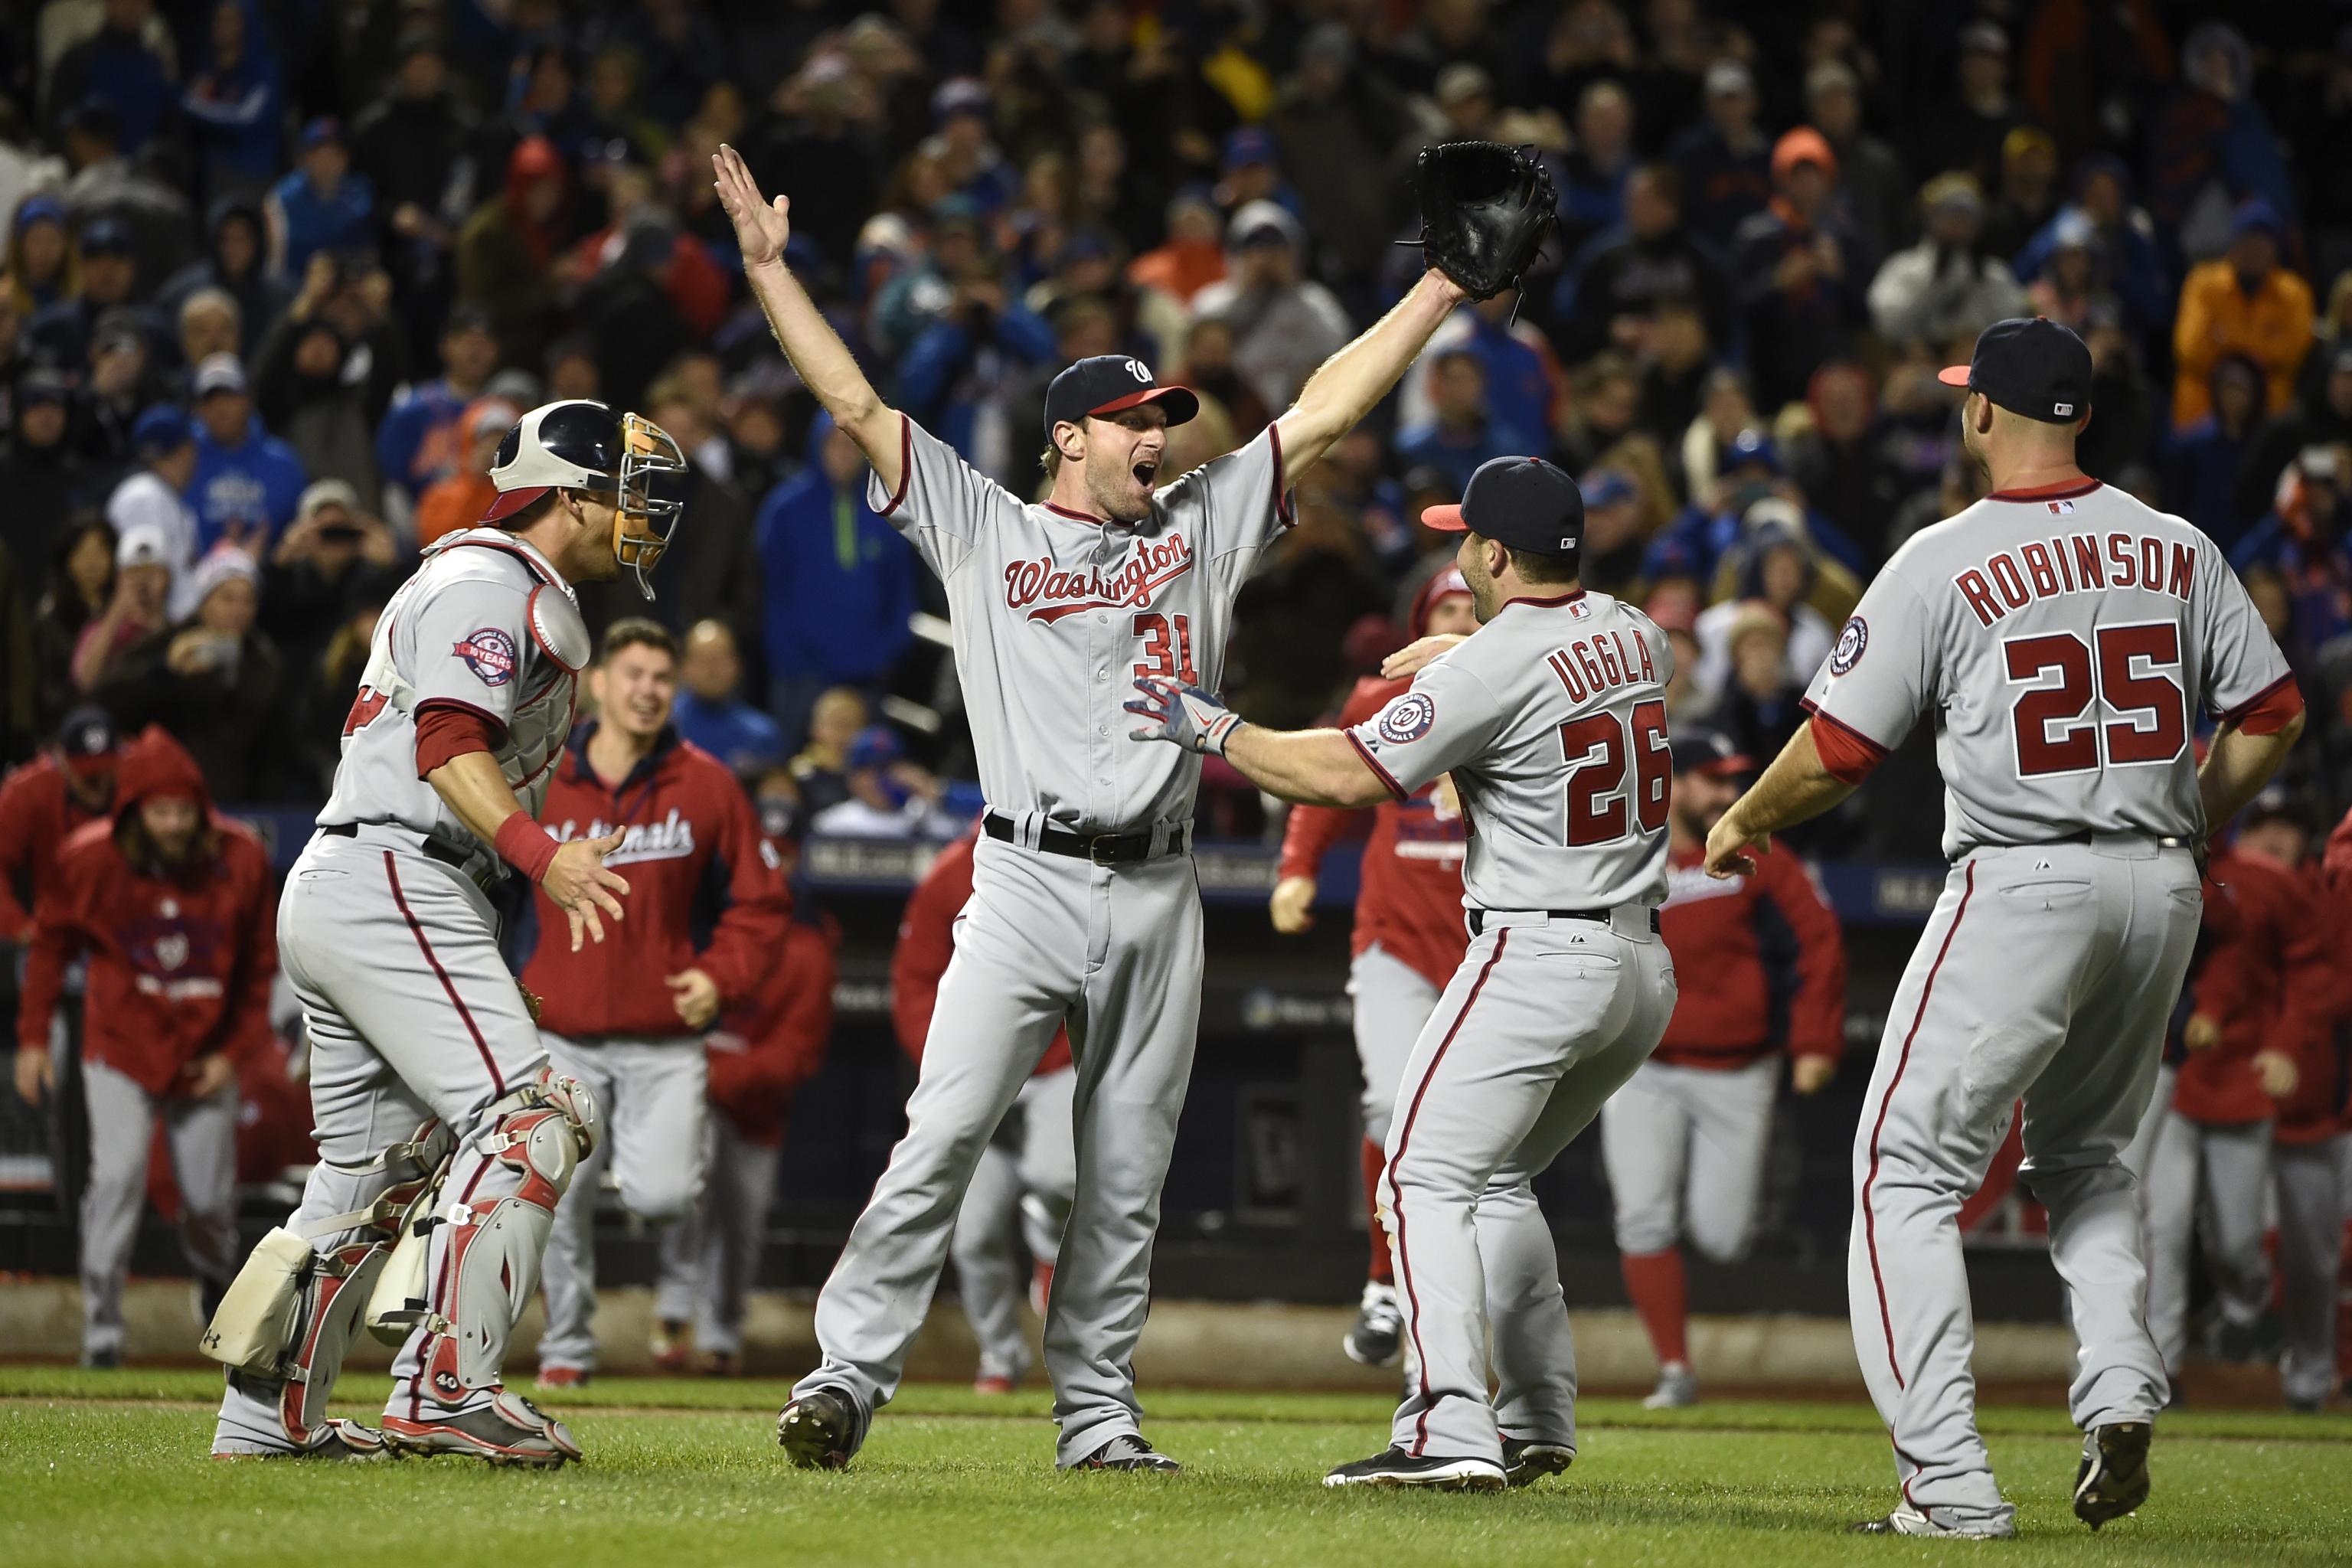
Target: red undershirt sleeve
[1848,756]
[446,730]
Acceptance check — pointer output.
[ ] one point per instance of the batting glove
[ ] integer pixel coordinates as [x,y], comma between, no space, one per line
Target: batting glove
[1185,715]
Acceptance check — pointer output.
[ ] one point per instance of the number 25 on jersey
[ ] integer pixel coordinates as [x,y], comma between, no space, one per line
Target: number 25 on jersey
[2134,670]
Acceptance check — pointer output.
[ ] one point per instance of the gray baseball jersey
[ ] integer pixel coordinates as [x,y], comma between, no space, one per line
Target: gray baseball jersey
[1552,721]
[486,624]
[1056,613]
[2068,642]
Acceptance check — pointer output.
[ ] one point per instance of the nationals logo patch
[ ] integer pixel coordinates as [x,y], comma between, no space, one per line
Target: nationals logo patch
[1408,718]
[489,653]
[1850,645]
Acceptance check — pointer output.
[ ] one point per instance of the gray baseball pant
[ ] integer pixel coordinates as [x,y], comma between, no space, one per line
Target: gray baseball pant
[2045,974]
[2311,1183]
[650,1103]
[202,1134]
[1544,1020]
[1117,951]
[1020,1190]
[709,1259]
[2223,1172]
[1700,1131]
[1391,1000]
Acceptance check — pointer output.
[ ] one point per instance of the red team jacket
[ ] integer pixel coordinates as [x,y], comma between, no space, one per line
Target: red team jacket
[2268,980]
[774,1041]
[926,942]
[1762,960]
[2321,1105]
[705,890]
[180,963]
[37,815]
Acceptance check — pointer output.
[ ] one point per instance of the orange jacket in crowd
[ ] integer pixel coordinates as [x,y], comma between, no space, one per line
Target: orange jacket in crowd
[2272,326]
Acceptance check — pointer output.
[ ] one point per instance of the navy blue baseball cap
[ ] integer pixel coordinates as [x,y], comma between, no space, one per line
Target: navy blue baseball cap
[1710,753]
[1107,385]
[162,427]
[1523,502]
[2029,365]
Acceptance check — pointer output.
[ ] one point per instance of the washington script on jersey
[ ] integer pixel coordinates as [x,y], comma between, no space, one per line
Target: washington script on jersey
[671,838]
[2076,563]
[1154,565]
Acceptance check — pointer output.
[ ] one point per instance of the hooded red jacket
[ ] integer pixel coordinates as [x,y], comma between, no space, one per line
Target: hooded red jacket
[926,942]
[766,1048]
[2269,982]
[37,815]
[180,959]
[706,891]
[1763,960]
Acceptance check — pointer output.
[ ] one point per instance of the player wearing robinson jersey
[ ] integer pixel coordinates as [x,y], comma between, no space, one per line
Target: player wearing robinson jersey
[1552,721]
[1084,905]
[2067,638]
[429,1086]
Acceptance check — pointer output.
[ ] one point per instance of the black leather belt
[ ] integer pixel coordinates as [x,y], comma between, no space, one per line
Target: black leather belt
[432,847]
[2087,837]
[1102,848]
[1598,917]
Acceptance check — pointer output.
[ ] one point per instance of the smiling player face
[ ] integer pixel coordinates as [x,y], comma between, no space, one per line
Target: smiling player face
[1123,457]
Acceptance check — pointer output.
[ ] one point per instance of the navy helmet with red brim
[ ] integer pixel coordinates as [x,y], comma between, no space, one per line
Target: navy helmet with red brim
[1107,384]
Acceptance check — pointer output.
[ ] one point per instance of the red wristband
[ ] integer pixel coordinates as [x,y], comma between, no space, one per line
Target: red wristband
[525,845]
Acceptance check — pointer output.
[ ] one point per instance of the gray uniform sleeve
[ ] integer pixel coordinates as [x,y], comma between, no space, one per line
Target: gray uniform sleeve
[2239,663]
[466,644]
[1447,717]
[942,503]
[1881,674]
[1239,499]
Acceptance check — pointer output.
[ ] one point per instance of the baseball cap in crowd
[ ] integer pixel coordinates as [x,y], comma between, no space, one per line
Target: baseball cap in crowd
[2029,365]
[320,494]
[118,326]
[88,739]
[1263,222]
[1523,502]
[1983,38]
[1606,486]
[226,561]
[960,95]
[1709,753]
[1459,82]
[1751,446]
[2255,215]
[106,237]
[1107,384]
[143,544]
[322,132]
[219,373]
[1247,145]
[41,385]
[1954,192]
[1726,78]
[161,428]
[2275,803]
[465,318]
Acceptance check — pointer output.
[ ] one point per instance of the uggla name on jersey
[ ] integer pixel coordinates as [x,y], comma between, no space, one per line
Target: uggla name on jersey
[671,838]
[1048,593]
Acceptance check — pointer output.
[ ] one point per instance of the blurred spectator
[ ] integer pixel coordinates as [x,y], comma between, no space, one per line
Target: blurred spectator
[210,323]
[1689,701]
[321,687]
[68,784]
[42,267]
[1774,568]
[153,497]
[1284,323]
[121,65]
[122,380]
[507,247]
[2245,302]
[1628,271]
[311,574]
[323,208]
[138,608]
[1206,365]
[710,569]
[1172,274]
[1798,293]
[2127,406]
[887,796]
[970,159]
[1611,561]
[2130,262]
[107,184]
[2027,196]
[965,336]
[1329,111]
[1757,708]
[323,392]
[1523,377]
[2304,538]
[1592,197]
[80,587]
[2210,150]
[838,584]
[2323,419]
[235,261]
[2202,460]
[710,710]
[213,681]
[1461,433]
[63,330]
[44,481]
[1943,288]
[625,312]
[235,101]
[2069,288]
[422,439]
[1871,178]
[459,500]
[1724,160]
[246,481]
[1966,136]
[1843,462]
[821,769]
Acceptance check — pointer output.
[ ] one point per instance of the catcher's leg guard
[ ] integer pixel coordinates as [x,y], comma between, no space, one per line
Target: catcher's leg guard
[288,1319]
[497,1209]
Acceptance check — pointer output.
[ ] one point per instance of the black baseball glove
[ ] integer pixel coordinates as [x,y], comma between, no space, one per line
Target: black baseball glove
[1485,210]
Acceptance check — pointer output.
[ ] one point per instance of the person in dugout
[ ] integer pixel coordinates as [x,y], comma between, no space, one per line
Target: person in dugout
[175,909]
[759,1056]
[1408,938]
[1021,1190]
[1685,1141]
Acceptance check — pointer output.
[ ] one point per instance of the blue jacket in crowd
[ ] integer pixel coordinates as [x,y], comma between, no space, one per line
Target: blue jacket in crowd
[316,221]
[259,479]
[838,581]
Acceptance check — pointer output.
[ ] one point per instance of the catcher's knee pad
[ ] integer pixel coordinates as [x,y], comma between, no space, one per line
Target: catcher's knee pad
[497,1225]
[293,1311]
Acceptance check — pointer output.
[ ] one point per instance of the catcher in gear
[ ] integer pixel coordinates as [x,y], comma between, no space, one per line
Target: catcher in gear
[1484,211]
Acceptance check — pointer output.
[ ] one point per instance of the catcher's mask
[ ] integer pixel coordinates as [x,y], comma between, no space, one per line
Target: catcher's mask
[582,444]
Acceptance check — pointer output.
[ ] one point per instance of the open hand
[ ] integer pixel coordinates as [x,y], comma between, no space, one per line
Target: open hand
[1183,715]
[1413,657]
[762,228]
[579,886]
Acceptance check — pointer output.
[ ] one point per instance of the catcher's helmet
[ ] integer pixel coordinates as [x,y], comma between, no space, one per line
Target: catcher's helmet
[585,446]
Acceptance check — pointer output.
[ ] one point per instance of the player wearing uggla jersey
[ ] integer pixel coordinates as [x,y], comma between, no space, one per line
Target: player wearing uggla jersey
[1552,721]
[2067,638]
[1085,909]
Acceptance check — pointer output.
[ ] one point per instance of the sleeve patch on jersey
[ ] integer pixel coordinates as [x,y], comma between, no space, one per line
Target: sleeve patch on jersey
[491,654]
[1851,644]
[1408,718]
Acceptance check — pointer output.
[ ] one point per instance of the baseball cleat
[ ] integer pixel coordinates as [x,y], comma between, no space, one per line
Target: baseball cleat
[554,1377]
[1378,1337]
[338,1439]
[2113,1480]
[1437,1472]
[1128,1452]
[1910,1521]
[509,1430]
[815,1430]
[1526,1461]
[669,1342]
[1678,1388]
[992,1383]
[721,1363]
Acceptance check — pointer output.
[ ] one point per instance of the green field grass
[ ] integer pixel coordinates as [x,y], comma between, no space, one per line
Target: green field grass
[111,1469]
